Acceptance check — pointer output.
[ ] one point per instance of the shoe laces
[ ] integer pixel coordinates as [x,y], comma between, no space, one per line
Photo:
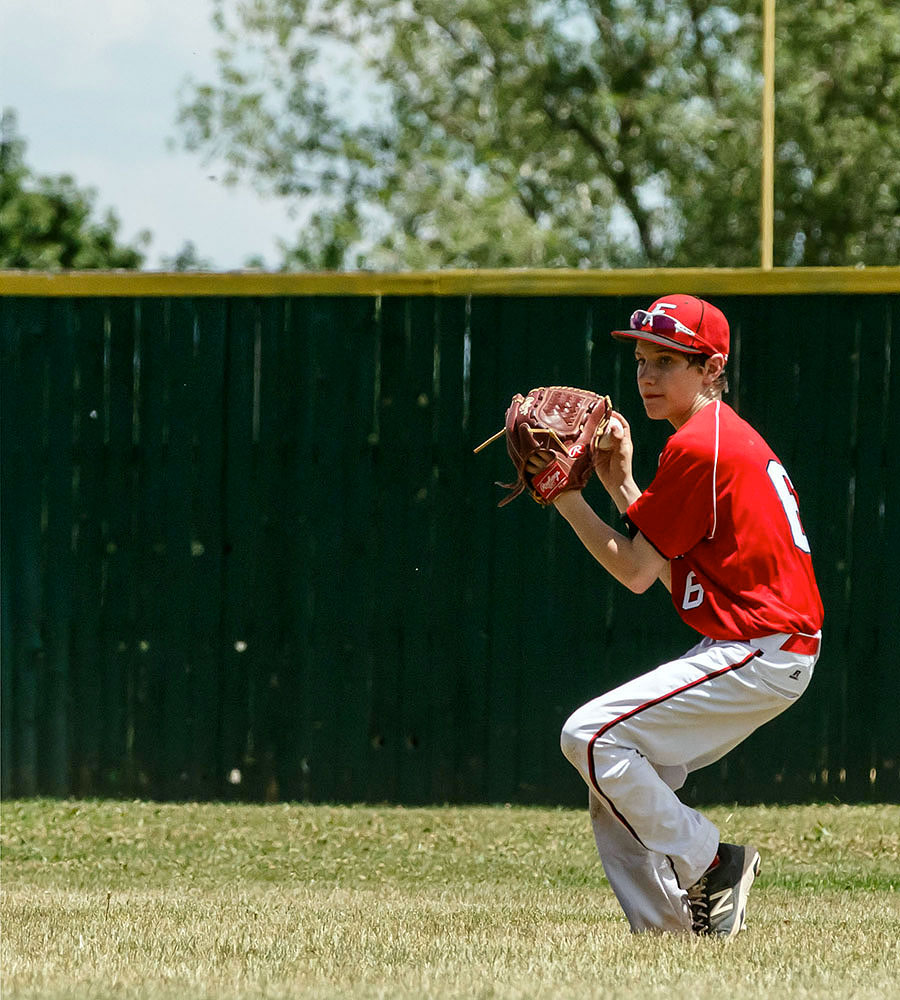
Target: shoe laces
[698,900]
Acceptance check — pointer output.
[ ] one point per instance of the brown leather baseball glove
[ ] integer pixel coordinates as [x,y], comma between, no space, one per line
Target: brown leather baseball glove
[557,419]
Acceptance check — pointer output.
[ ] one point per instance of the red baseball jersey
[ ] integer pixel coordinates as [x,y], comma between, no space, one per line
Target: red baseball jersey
[722,508]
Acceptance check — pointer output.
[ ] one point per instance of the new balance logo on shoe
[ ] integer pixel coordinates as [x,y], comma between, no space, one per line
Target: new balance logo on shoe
[720,903]
[718,899]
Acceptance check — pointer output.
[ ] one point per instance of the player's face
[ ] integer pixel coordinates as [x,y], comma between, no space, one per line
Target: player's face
[671,389]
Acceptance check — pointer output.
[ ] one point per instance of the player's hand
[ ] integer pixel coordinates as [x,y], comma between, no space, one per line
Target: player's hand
[612,454]
[538,462]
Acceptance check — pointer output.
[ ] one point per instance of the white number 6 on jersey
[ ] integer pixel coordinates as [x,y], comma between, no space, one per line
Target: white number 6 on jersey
[693,593]
[785,490]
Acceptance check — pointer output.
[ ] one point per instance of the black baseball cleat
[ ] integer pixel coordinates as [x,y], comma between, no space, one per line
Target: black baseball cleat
[718,899]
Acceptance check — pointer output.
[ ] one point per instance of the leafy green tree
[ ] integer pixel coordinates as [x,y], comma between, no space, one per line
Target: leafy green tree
[838,164]
[48,223]
[187,259]
[604,133]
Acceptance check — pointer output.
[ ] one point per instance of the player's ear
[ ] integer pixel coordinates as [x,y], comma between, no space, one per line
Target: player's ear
[715,365]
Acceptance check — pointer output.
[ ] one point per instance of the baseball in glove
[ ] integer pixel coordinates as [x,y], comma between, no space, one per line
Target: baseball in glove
[558,419]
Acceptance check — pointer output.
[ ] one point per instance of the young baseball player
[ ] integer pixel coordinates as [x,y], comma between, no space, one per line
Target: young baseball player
[719,525]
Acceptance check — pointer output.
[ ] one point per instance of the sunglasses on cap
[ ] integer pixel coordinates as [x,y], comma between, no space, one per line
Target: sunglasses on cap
[659,323]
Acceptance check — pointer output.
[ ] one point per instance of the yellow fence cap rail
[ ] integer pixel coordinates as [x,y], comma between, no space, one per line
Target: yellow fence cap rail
[532,282]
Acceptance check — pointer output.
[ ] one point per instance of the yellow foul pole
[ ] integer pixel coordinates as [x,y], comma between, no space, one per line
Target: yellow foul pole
[767,201]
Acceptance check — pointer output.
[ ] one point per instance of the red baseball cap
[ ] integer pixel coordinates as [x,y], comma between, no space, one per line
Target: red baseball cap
[682,322]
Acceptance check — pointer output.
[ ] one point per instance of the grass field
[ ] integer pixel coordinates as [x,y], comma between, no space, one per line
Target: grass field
[111,899]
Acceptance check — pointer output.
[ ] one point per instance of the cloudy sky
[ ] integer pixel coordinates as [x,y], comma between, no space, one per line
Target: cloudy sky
[95,86]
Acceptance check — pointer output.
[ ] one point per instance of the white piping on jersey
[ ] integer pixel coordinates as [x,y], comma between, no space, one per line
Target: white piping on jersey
[712,534]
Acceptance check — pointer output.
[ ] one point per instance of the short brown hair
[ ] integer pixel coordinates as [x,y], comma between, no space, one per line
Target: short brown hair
[699,361]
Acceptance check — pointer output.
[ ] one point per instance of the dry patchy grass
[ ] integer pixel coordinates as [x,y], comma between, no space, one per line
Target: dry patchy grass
[141,900]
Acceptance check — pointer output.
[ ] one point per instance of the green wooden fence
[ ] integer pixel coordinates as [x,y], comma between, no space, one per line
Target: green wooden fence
[247,551]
